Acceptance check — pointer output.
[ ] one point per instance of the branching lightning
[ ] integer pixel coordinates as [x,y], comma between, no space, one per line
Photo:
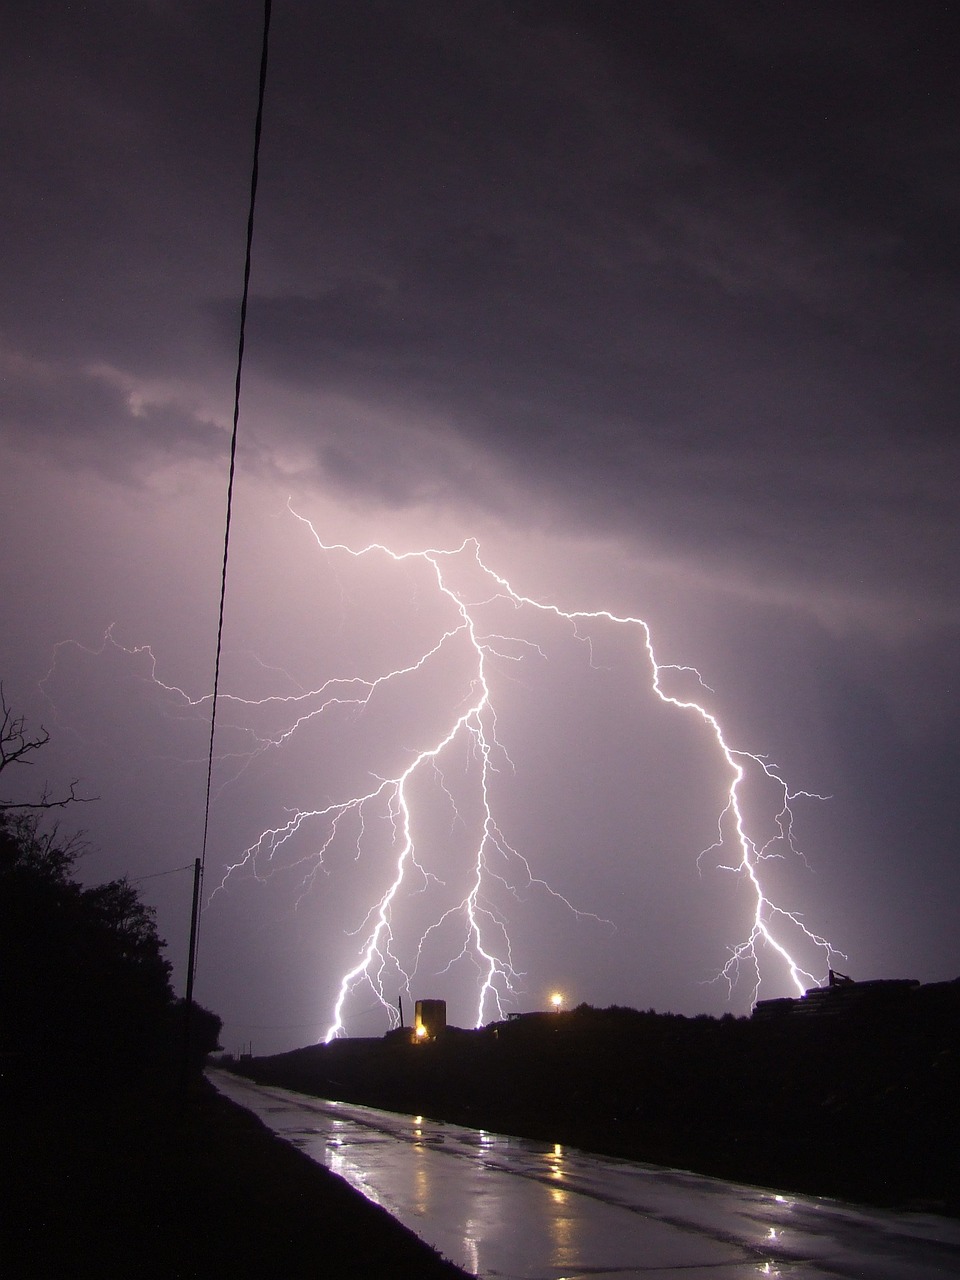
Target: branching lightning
[485,937]
[387,808]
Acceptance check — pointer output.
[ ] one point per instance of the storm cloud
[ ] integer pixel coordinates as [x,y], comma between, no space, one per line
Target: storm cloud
[659,301]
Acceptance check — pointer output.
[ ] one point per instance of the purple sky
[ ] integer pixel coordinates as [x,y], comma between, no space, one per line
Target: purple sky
[657,302]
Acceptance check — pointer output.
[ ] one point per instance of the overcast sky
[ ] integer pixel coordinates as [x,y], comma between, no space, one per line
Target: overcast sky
[656,301]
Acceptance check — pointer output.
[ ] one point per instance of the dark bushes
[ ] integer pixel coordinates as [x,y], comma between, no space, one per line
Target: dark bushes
[84,986]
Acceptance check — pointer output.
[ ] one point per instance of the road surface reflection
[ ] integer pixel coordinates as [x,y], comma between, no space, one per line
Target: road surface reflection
[519,1210]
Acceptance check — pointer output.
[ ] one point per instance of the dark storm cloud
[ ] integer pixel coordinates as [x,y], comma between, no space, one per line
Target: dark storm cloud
[688,273]
[684,274]
[87,414]
[123,175]
[693,277]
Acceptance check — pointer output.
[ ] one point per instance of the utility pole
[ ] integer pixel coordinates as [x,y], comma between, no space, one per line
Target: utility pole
[191,965]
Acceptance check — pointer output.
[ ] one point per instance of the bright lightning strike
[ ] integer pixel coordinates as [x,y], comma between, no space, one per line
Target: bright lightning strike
[384,819]
[484,938]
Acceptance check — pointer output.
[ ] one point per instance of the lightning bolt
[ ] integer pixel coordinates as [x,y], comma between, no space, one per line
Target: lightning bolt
[465,586]
[496,862]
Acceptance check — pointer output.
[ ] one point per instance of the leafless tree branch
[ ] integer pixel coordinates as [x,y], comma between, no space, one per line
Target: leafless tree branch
[15,746]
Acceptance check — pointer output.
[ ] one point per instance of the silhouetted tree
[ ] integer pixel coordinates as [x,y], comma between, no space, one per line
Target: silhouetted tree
[84,986]
[205,1030]
[83,979]
[16,748]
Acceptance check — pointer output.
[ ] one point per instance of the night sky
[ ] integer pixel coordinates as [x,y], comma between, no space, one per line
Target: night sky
[656,301]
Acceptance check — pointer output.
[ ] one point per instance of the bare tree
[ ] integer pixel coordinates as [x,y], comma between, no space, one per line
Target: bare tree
[16,747]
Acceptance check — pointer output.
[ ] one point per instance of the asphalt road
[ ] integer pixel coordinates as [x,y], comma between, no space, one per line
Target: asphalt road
[520,1210]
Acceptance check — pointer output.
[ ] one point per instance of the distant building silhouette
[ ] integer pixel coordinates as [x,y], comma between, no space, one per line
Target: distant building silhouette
[429,1019]
[843,994]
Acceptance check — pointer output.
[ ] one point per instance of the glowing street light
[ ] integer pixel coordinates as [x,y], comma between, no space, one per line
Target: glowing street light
[557,1000]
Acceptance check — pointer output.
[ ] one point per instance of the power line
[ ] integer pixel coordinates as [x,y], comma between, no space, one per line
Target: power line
[272,1026]
[236,417]
[201,861]
[155,875]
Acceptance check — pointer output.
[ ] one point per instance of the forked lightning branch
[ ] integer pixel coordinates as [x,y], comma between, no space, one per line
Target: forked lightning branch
[483,931]
[384,815]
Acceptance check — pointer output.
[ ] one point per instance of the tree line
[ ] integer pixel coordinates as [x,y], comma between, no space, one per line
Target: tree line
[85,992]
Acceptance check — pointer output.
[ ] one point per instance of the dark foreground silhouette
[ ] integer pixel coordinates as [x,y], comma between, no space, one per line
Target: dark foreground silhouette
[860,1102]
[118,1159]
[145,1185]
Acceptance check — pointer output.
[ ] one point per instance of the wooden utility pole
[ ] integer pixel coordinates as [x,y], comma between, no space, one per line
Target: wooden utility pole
[191,965]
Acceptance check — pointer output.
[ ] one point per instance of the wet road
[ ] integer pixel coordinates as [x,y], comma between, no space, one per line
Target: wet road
[521,1210]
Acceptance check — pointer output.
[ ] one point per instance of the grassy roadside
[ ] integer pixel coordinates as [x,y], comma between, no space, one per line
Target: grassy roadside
[150,1187]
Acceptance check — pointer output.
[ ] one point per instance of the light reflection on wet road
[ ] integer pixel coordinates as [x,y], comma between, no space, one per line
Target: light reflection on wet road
[509,1208]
